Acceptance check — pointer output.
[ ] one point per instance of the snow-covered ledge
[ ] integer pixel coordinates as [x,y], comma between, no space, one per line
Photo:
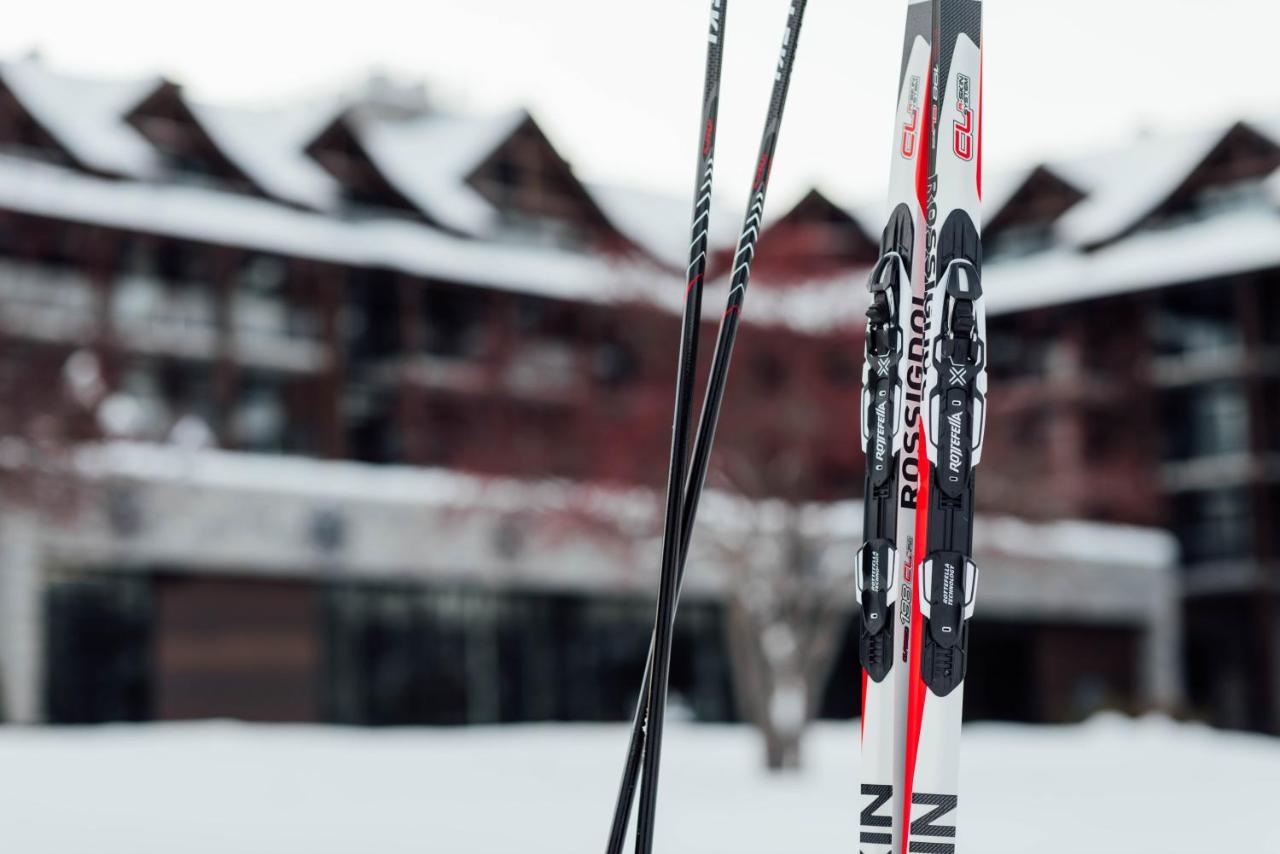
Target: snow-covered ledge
[144,507]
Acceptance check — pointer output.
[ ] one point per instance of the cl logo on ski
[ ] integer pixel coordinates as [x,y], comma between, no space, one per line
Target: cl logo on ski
[962,128]
[909,134]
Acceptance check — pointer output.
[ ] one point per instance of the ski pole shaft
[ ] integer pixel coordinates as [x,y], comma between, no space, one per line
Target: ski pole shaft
[659,645]
[708,421]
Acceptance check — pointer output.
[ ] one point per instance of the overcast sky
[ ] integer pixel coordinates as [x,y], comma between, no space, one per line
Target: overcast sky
[617,84]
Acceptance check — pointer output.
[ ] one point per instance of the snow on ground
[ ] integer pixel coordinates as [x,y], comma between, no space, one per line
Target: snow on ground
[1111,786]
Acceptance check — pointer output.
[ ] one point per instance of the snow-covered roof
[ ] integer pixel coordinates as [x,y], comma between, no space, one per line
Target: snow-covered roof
[86,115]
[659,224]
[429,160]
[210,215]
[205,214]
[998,188]
[1125,184]
[267,145]
[870,215]
[1237,242]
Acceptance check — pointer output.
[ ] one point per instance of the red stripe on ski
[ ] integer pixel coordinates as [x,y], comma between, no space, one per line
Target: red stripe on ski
[862,727]
[922,161]
[982,91]
[917,688]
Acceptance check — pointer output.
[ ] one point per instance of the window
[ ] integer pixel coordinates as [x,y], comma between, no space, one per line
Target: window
[260,419]
[1207,420]
[372,317]
[842,367]
[1017,241]
[615,364]
[1014,354]
[260,305]
[1225,198]
[1213,525]
[452,320]
[1271,415]
[770,372]
[1196,320]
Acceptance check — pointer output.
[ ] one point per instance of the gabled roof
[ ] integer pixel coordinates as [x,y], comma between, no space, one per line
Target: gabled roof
[1238,242]
[660,224]
[813,236]
[426,160]
[86,116]
[1039,194]
[430,159]
[1124,185]
[999,187]
[166,120]
[268,146]
[214,216]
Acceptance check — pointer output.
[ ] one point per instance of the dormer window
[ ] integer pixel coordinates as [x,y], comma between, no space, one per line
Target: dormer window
[188,152]
[23,135]
[1019,241]
[815,238]
[1024,224]
[1229,178]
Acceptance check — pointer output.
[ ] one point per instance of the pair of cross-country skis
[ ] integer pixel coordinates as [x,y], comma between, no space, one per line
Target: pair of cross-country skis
[923,418]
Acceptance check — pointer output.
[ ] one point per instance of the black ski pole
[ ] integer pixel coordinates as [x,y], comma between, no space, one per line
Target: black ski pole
[686,374]
[672,574]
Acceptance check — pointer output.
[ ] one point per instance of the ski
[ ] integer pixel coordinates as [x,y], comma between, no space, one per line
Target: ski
[648,726]
[946,576]
[892,380]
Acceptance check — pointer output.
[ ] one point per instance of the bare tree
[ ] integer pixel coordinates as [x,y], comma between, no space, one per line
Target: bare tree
[787,608]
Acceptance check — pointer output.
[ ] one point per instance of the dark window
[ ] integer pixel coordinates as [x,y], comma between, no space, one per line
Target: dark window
[412,655]
[98,649]
[615,364]
[1013,354]
[1213,525]
[452,319]
[261,418]
[1206,420]
[1196,320]
[373,315]
[1271,415]
[770,372]
[842,366]
[1017,241]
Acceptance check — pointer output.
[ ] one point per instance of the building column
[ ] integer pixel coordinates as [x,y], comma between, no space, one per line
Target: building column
[1163,686]
[226,362]
[1249,308]
[329,284]
[21,628]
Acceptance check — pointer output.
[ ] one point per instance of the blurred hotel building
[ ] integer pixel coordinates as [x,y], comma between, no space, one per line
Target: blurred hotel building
[353,411]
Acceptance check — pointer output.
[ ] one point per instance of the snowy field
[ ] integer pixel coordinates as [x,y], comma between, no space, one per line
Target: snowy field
[1111,786]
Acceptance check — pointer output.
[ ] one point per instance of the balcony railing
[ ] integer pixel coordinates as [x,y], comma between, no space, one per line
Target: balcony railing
[46,303]
[182,320]
[152,317]
[268,332]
